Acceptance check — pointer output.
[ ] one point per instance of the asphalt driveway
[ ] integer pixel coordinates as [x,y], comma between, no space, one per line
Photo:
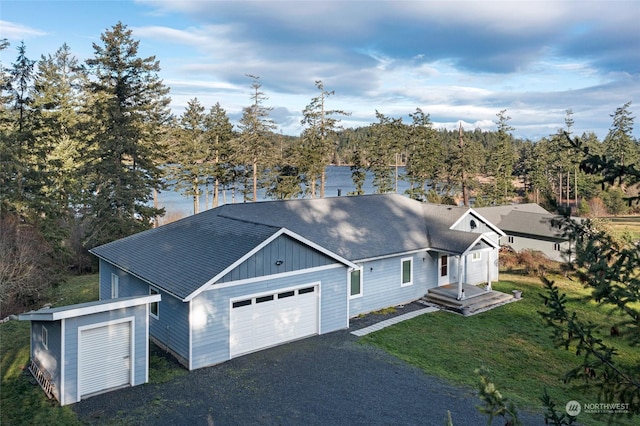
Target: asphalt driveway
[323,380]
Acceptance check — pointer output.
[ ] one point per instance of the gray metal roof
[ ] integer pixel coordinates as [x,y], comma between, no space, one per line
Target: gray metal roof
[183,256]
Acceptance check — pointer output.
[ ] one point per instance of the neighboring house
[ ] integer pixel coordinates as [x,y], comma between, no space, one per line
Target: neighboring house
[89,348]
[243,277]
[530,227]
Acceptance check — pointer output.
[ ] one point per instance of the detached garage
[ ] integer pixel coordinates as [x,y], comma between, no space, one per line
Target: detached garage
[81,350]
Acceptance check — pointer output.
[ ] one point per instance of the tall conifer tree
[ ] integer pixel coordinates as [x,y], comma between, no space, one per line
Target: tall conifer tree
[319,140]
[255,126]
[129,106]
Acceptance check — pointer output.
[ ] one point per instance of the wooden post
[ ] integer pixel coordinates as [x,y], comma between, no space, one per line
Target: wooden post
[459,277]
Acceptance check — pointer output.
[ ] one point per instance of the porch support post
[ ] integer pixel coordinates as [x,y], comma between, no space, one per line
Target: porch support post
[460,292]
[489,270]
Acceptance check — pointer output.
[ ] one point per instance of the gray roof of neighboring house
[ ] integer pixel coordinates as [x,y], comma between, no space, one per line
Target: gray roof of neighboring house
[541,225]
[354,228]
[529,219]
[494,214]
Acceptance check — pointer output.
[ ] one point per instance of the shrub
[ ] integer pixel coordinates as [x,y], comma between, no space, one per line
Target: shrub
[532,262]
[27,265]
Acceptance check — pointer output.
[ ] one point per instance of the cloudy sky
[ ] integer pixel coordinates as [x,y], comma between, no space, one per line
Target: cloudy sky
[460,61]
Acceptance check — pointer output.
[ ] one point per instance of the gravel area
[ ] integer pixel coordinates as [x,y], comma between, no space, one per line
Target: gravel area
[323,380]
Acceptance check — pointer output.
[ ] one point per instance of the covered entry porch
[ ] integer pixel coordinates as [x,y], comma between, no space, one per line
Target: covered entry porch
[475,299]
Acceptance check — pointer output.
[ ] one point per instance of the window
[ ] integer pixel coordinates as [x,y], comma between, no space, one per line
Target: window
[556,246]
[45,337]
[263,299]
[473,224]
[242,303]
[444,265]
[510,239]
[154,309]
[407,271]
[306,290]
[355,283]
[475,256]
[286,294]
[115,283]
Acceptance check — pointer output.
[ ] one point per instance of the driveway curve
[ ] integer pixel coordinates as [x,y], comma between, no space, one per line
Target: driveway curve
[323,380]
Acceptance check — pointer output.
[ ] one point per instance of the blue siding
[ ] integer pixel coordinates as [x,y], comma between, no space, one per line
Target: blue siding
[48,359]
[465,225]
[171,328]
[139,356]
[381,285]
[210,335]
[477,270]
[294,255]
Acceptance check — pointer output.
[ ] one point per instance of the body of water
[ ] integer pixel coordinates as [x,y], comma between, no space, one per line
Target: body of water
[338,182]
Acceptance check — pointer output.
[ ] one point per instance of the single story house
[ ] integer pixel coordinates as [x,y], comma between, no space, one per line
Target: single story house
[243,277]
[530,227]
[81,350]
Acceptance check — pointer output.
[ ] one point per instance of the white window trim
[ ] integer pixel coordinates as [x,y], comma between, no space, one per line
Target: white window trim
[355,296]
[115,286]
[45,337]
[153,291]
[410,282]
[476,256]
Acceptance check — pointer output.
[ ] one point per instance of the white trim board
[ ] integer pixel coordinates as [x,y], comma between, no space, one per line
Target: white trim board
[72,311]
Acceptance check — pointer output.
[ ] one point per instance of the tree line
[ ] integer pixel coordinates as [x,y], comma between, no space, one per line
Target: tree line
[85,147]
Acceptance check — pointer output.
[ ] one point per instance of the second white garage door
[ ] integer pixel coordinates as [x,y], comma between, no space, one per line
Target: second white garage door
[104,358]
[270,319]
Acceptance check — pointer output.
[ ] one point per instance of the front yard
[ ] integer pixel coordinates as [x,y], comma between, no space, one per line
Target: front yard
[511,341]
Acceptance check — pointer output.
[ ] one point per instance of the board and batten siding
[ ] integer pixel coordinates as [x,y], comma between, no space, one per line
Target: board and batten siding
[210,310]
[48,359]
[381,282]
[284,254]
[139,358]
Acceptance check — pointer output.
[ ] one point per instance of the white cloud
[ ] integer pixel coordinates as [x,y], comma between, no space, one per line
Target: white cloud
[17,32]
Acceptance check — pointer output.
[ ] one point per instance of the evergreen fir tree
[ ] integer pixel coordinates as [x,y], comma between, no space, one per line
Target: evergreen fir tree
[129,106]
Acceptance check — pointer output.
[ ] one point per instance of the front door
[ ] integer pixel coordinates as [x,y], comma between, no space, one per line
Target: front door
[443,270]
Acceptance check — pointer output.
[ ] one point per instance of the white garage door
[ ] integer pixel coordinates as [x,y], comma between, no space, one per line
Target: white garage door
[271,319]
[104,359]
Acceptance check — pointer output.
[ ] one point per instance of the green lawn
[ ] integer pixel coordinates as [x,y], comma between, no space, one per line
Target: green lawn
[628,226]
[511,341]
[22,402]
